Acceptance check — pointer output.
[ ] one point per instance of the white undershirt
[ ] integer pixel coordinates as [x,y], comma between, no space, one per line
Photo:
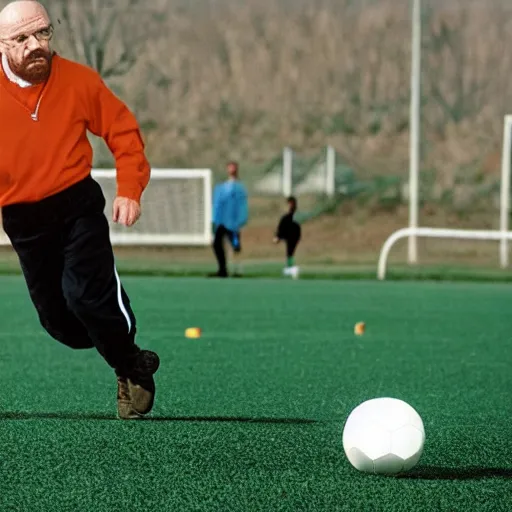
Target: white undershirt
[11,76]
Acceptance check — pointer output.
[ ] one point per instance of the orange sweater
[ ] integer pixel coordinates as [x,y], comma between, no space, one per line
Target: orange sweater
[42,156]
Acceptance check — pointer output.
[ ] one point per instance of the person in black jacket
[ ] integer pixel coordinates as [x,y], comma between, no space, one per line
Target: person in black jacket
[289,231]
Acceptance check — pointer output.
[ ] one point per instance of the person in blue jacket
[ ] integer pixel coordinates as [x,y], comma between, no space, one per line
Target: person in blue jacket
[230,214]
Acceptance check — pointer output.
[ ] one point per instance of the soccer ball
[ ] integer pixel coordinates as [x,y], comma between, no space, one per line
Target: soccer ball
[383,436]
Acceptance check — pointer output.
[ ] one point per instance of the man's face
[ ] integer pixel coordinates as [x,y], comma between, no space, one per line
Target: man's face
[29,54]
[232,170]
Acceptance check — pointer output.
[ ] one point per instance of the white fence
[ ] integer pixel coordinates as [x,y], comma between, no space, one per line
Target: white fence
[321,179]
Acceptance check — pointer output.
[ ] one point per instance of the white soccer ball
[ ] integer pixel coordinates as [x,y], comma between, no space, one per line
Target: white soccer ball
[384,436]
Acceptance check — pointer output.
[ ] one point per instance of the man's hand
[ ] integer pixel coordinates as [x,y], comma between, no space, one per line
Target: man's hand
[276,240]
[125,211]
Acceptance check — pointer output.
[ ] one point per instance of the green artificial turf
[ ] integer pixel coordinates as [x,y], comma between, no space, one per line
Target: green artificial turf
[250,416]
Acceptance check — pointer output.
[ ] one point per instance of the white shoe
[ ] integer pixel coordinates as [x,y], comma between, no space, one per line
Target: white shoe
[286,271]
[294,272]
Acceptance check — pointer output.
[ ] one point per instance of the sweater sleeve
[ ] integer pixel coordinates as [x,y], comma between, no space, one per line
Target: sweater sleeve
[111,119]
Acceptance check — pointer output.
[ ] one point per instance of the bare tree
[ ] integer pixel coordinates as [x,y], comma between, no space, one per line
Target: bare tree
[108,35]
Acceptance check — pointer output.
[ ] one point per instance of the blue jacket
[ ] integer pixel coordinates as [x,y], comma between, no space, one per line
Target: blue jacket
[230,208]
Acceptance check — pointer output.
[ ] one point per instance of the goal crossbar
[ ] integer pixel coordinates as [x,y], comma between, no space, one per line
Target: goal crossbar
[157,173]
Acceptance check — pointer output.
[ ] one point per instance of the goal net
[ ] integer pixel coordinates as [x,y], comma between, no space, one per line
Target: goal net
[176,208]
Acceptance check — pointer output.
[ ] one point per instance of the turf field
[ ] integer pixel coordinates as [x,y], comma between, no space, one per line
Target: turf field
[250,416]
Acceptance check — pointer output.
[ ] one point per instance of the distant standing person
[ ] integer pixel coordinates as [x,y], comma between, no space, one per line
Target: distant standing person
[289,231]
[230,214]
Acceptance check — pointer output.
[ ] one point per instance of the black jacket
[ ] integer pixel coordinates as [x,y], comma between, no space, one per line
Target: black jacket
[287,228]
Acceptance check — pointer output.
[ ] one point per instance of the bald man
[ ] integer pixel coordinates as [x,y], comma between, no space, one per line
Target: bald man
[52,209]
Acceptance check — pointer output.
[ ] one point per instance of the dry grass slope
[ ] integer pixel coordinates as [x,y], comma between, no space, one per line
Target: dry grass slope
[228,79]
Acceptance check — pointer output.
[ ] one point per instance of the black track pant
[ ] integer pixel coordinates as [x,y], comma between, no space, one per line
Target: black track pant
[293,240]
[291,245]
[64,249]
[218,246]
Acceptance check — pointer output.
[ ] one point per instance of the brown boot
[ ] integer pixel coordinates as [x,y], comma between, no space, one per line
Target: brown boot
[136,388]
[125,410]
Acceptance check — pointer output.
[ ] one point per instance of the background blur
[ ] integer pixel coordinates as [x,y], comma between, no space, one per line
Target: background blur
[212,80]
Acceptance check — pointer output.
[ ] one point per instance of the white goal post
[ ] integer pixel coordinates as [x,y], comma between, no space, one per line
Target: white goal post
[503,235]
[176,209]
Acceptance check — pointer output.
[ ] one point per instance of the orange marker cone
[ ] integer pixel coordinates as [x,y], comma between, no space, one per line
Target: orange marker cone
[193,332]
[359,328]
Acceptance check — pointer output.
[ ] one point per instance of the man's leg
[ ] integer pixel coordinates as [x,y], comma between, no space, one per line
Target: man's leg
[218,249]
[236,244]
[93,290]
[39,251]
[291,246]
[94,293]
